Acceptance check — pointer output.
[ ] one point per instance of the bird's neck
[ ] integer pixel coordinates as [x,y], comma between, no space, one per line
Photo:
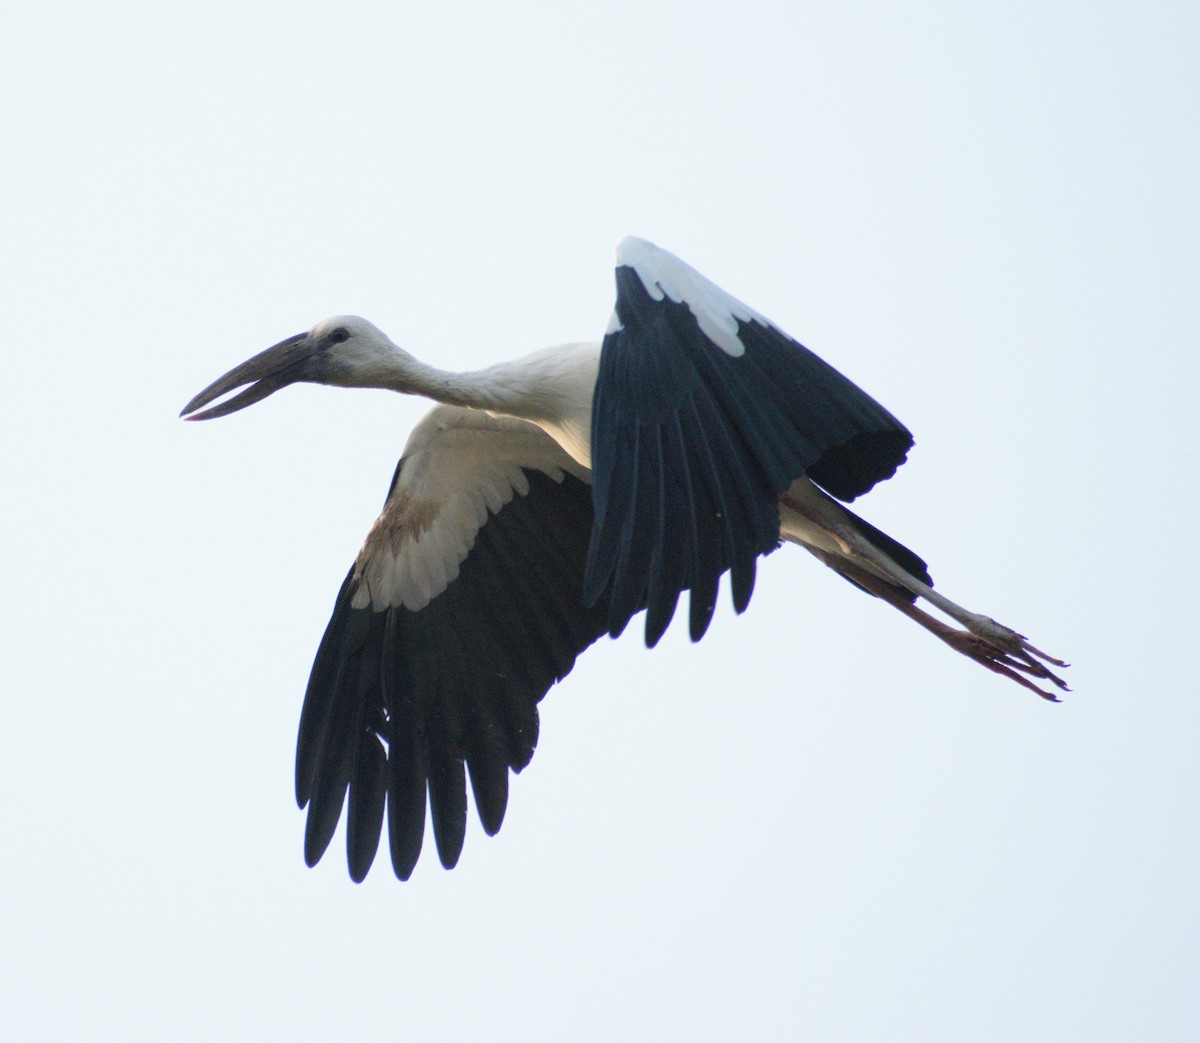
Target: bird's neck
[497,389]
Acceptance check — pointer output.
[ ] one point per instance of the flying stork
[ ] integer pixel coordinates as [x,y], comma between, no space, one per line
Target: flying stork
[546,501]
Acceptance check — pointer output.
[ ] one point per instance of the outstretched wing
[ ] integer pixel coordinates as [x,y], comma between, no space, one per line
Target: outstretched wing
[463,608]
[703,413]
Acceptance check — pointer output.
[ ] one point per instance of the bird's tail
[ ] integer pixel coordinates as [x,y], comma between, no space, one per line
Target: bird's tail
[910,562]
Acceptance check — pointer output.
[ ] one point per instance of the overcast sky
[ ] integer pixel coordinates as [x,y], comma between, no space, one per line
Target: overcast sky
[819,822]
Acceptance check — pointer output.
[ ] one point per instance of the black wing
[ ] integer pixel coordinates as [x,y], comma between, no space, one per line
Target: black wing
[703,414]
[405,698]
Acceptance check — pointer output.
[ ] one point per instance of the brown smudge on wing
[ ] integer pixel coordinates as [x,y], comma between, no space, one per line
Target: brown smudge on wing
[402,522]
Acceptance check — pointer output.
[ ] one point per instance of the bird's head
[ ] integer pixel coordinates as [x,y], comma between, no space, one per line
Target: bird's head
[345,350]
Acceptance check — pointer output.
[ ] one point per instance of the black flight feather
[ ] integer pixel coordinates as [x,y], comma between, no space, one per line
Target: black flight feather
[401,706]
[692,445]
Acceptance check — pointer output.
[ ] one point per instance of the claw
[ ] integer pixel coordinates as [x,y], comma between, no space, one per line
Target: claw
[987,653]
[1048,658]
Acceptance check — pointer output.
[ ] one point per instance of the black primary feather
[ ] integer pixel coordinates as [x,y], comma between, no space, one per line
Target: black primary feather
[692,446]
[402,706]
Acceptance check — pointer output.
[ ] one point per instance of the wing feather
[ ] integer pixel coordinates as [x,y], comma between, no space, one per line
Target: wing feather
[407,755]
[463,608]
[704,413]
[368,790]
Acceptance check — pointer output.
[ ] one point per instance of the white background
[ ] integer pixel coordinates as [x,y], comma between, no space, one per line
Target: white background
[819,823]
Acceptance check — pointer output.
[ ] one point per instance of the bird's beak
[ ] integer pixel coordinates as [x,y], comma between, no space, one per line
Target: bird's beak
[267,372]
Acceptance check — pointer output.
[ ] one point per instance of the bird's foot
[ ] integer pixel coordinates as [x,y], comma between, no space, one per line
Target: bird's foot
[1005,652]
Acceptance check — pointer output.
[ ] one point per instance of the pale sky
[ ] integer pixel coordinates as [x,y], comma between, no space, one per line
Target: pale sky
[819,823]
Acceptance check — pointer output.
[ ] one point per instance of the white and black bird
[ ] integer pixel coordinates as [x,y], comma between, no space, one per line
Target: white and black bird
[548,500]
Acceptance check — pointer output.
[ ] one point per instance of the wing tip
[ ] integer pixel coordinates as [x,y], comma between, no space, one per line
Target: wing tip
[632,246]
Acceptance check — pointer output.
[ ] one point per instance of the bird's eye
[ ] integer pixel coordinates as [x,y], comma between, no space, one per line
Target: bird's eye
[340,335]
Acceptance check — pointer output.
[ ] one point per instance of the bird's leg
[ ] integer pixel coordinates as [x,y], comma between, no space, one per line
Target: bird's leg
[994,634]
[848,552]
[973,646]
